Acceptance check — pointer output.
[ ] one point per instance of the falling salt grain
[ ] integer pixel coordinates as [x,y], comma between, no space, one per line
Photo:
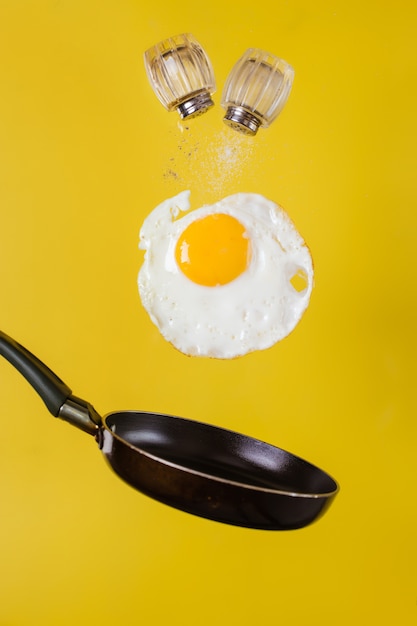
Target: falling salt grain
[224,158]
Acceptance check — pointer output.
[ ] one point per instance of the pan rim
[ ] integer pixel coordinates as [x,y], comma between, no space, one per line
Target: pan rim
[213,477]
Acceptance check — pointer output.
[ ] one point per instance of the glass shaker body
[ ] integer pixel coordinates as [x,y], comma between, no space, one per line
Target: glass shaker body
[256,91]
[181,75]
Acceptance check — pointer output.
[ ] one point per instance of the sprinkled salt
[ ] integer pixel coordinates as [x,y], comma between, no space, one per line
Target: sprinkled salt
[217,162]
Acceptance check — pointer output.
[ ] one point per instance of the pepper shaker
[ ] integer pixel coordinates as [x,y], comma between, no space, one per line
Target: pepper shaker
[181,75]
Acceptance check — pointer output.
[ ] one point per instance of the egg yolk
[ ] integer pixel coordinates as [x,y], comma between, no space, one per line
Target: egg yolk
[213,250]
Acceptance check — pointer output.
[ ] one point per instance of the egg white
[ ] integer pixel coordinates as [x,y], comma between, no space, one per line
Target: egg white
[254,311]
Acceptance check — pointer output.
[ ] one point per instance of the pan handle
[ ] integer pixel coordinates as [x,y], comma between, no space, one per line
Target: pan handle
[54,392]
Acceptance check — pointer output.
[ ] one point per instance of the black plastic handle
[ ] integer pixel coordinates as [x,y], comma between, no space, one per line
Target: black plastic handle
[53,391]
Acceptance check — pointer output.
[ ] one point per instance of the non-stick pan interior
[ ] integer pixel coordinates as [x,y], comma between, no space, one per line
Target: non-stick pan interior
[219,453]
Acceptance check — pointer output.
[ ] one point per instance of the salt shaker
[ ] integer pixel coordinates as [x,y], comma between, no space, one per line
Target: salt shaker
[256,91]
[181,75]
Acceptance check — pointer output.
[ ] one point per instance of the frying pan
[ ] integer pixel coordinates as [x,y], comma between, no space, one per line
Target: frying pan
[201,469]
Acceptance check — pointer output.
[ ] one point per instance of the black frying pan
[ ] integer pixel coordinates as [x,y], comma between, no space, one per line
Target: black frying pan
[198,468]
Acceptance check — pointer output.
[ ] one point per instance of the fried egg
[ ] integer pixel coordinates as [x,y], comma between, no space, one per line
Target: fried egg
[225,279]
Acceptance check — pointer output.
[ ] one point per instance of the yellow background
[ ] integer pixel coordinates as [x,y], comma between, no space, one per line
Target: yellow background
[86,152]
